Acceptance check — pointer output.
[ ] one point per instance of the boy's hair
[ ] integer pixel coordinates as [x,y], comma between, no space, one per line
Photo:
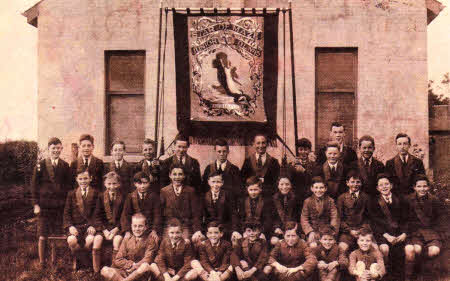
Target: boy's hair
[332,144]
[81,170]
[367,138]
[291,225]
[139,176]
[177,166]
[354,174]
[253,224]
[215,174]
[149,141]
[118,142]
[303,142]
[111,175]
[215,224]
[252,180]
[402,135]
[86,137]
[54,140]
[221,142]
[174,222]
[336,124]
[139,216]
[327,230]
[383,176]
[421,177]
[181,137]
[259,135]
[317,179]
[365,231]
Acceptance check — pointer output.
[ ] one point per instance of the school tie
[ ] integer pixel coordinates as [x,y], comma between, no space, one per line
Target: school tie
[219,169]
[285,202]
[84,193]
[86,163]
[366,163]
[259,164]
[117,165]
[253,207]
[354,197]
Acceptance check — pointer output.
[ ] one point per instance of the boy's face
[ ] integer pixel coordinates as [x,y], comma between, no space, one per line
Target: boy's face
[364,242]
[354,184]
[384,186]
[421,187]
[253,234]
[254,190]
[291,237]
[214,234]
[327,241]
[318,189]
[177,176]
[222,153]
[215,183]
[181,148]
[332,154]
[142,185]
[112,185]
[366,148]
[55,150]
[260,144]
[284,186]
[337,134]
[174,233]
[303,152]
[117,152]
[86,148]
[84,179]
[403,145]
[138,226]
[148,150]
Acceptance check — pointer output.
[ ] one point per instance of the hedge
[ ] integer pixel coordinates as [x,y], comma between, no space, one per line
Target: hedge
[18,158]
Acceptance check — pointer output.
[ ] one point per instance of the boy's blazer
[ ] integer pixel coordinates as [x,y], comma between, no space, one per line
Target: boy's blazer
[178,258]
[403,175]
[370,257]
[136,252]
[331,255]
[388,218]
[317,212]
[426,214]
[126,175]
[282,214]
[95,171]
[348,155]
[150,206]
[299,254]
[263,213]
[255,254]
[270,172]
[215,258]
[335,181]
[146,167]
[369,174]
[353,213]
[50,185]
[185,207]
[78,211]
[301,181]
[232,181]
[221,211]
[192,170]
[110,212]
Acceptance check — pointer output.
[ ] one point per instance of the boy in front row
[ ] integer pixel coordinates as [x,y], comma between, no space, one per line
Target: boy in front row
[291,259]
[80,219]
[135,255]
[366,263]
[331,259]
[424,225]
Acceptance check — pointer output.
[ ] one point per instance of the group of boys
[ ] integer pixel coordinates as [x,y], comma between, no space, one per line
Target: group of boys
[334,215]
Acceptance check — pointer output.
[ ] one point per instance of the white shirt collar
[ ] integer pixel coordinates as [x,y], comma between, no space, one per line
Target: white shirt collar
[54,161]
[120,162]
[387,198]
[356,193]
[370,160]
[263,157]
[332,165]
[89,159]
[222,165]
[141,195]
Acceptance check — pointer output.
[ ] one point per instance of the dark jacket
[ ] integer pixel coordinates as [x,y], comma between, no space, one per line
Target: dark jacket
[150,207]
[192,170]
[294,256]
[317,212]
[109,213]
[126,175]
[178,259]
[221,211]
[79,211]
[263,213]
[215,258]
[256,254]
[131,252]
[335,181]
[232,181]
[285,212]
[95,171]
[348,155]
[385,218]
[269,172]
[369,174]
[403,175]
[353,214]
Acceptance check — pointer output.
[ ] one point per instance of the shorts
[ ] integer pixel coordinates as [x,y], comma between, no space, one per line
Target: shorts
[425,238]
[82,233]
[50,222]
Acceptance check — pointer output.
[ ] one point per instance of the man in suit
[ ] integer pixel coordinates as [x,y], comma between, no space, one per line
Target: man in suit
[190,165]
[230,173]
[150,165]
[337,134]
[88,161]
[49,186]
[404,167]
[368,166]
[261,165]
[121,167]
[300,172]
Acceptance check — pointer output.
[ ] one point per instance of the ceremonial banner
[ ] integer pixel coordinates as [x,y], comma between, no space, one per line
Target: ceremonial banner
[226,74]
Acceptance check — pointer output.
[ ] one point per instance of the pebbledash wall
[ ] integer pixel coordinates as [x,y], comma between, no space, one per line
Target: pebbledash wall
[390,37]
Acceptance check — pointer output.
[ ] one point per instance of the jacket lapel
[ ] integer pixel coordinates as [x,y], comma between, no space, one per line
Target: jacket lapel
[362,169]
[227,167]
[398,166]
[326,170]
[409,165]
[50,170]
[107,204]
[79,199]
[134,199]
[259,206]
[385,209]
[319,206]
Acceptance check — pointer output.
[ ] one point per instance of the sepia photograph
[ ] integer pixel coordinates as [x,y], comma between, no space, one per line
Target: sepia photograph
[213,140]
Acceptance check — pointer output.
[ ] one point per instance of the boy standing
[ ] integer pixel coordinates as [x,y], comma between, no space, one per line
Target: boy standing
[261,165]
[149,164]
[330,258]
[404,167]
[120,166]
[301,170]
[346,153]
[49,186]
[81,218]
[87,161]
[318,210]
[135,255]
[368,166]
[291,259]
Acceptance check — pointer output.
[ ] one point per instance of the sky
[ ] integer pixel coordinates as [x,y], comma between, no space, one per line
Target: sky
[18,66]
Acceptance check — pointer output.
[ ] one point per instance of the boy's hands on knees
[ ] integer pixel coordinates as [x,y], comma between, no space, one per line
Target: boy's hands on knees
[36,209]
[278,231]
[389,237]
[322,265]
[167,277]
[171,271]
[400,238]
[91,230]
[107,234]
[244,264]
[332,265]
[249,273]
[239,273]
[73,230]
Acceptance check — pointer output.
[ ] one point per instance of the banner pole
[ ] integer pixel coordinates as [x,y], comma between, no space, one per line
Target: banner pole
[158,74]
[294,93]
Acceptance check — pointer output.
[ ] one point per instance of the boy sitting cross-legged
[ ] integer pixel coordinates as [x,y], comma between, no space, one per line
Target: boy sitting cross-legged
[331,259]
[135,255]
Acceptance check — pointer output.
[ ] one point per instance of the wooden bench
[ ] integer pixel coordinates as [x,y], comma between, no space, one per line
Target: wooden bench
[52,241]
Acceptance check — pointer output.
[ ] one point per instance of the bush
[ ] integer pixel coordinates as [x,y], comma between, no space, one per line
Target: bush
[18,160]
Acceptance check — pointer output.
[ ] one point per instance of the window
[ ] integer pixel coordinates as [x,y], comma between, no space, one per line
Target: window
[336,81]
[125,104]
